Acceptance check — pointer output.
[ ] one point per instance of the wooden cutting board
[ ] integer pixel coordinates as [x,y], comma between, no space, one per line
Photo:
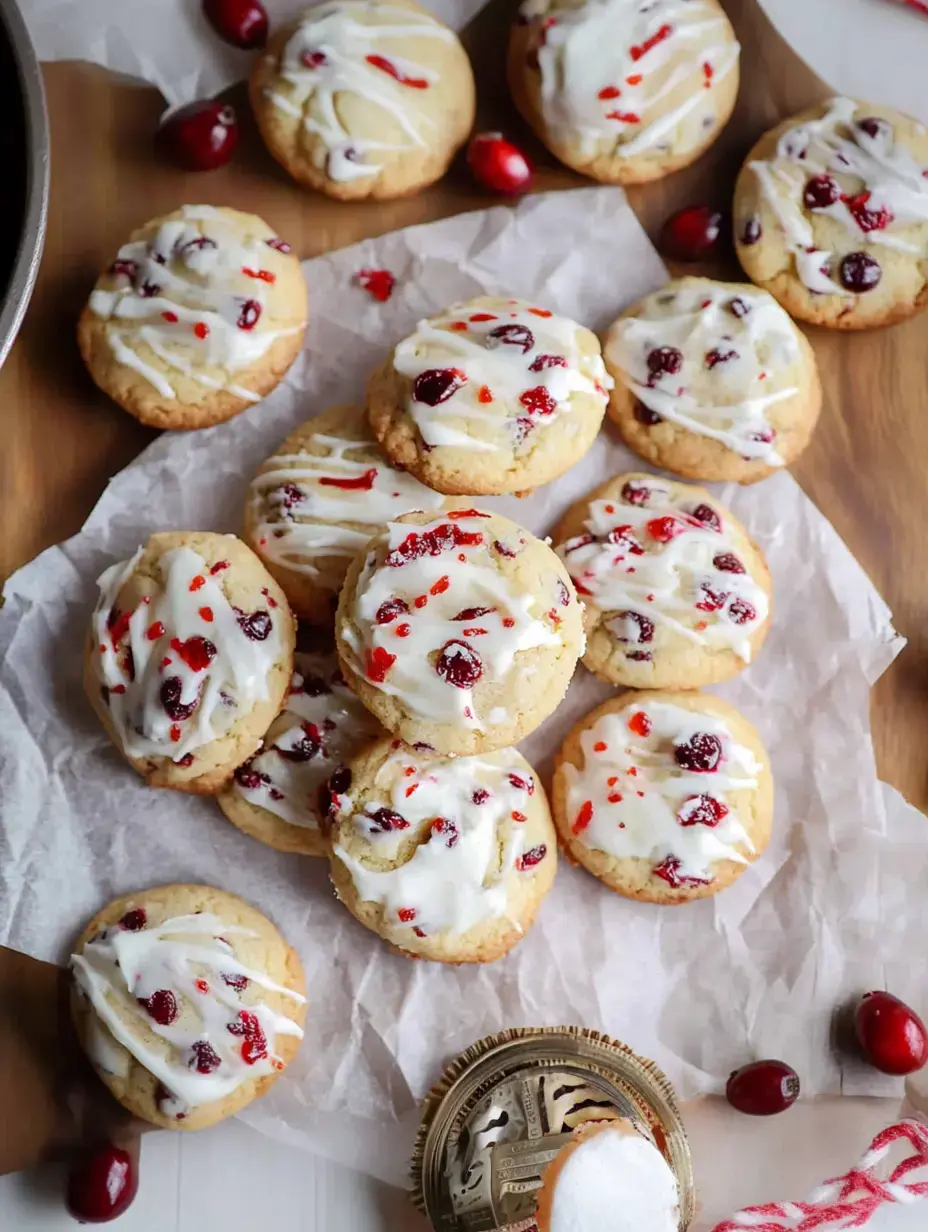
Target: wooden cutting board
[62,440]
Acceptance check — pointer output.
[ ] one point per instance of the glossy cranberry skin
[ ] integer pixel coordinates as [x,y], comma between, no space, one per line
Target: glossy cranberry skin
[243,23]
[200,136]
[859,273]
[763,1088]
[820,192]
[101,1186]
[892,1036]
[497,164]
[691,234]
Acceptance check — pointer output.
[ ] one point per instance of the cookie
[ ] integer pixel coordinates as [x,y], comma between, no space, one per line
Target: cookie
[621,91]
[607,1167]
[314,505]
[188,1003]
[359,98]
[459,632]
[665,797]
[199,317]
[447,858]
[831,214]
[675,595]
[189,657]
[712,381]
[280,796]
[490,396]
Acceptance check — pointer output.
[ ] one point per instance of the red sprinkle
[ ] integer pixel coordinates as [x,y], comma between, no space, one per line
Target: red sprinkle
[626,117]
[663,33]
[201,329]
[201,986]
[403,630]
[170,317]
[407,914]
[484,394]
[206,613]
[197,582]
[379,283]
[155,631]
[639,723]
[518,816]
[363,483]
[387,66]
[608,92]
[262,274]
[584,817]
[439,587]
[600,746]
[379,662]
[219,566]
[175,733]
[541,312]
[483,316]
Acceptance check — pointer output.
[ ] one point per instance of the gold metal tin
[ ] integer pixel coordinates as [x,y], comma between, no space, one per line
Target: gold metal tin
[504,1108]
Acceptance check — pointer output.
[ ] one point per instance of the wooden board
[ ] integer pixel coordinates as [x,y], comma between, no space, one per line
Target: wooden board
[62,439]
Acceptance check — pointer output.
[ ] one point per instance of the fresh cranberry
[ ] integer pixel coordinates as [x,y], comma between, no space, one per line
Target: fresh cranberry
[205,1058]
[740,612]
[134,921]
[892,1036]
[751,232]
[385,820]
[249,313]
[497,164]
[727,562]
[447,830]
[701,753]
[763,1088]
[701,811]
[859,273]
[169,693]
[540,362]
[459,664]
[243,23]
[872,126]
[531,858]
[512,335]
[390,609]
[820,192]
[669,870]
[200,136]
[691,234]
[707,515]
[255,625]
[663,361]
[437,385]
[238,982]
[254,1041]
[634,492]
[101,1186]
[646,416]
[306,747]
[161,1006]
[644,623]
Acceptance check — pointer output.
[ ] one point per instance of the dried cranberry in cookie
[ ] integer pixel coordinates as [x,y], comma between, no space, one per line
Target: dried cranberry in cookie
[197,318]
[675,593]
[364,98]
[459,631]
[730,384]
[189,657]
[316,502]
[447,858]
[189,1017]
[665,797]
[837,198]
[623,91]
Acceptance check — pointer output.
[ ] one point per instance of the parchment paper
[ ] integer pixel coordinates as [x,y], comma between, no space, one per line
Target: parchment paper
[835,905]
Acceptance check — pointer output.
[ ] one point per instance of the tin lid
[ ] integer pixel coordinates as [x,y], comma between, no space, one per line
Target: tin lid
[504,1108]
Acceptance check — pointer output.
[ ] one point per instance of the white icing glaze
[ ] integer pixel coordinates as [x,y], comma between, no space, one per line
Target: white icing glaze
[734,394]
[486,412]
[461,577]
[185,957]
[674,583]
[184,295]
[457,877]
[334,54]
[300,514]
[859,163]
[607,67]
[321,728]
[223,680]
[632,793]
[617,1180]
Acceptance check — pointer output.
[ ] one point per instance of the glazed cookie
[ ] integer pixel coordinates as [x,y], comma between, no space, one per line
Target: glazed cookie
[314,504]
[490,396]
[675,594]
[189,657]
[447,858]
[712,380]
[831,214]
[199,316]
[665,797]
[622,91]
[188,1003]
[359,98]
[280,796]
[460,633]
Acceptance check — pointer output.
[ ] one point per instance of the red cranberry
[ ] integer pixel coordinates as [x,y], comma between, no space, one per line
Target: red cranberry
[644,623]
[480,796]
[134,921]
[101,1186]
[306,747]
[738,308]
[340,780]
[701,753]
[256,625]
[540,362]
[497,164]
[531,858]
[170,699]
[390,609]
[447,830]
[669,870]
[161,1006]
[521,784]
[468,614]
[238,982]
[437,385]
[751,232]
[763,1088]
[385,820]
[719,355]
[727,562]
[710,600]
[200,136]
[691,234]
[503,549]
[205,1058]
[707,515]
[443,538]
[663,361]
[859,273]
[820,192]
[243,23]
[538,401]
[459,664]
[646,416]
[250,779]
[702,811]
[197,652]
[740,612]
[378,283]
[634,492]
[892,1035]
[872,126]
[248,314]
[512,335]
[254,1041]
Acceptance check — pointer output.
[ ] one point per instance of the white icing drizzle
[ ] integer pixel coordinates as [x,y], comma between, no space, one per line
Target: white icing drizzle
[415,654]
[334,53]
[607,67]
[732,361]
[860,164]
[186,632]
[456,875]
[627,566]
[321,727]
[631,794]
[177,968]
[183,295]
[517,368]
[300,515]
